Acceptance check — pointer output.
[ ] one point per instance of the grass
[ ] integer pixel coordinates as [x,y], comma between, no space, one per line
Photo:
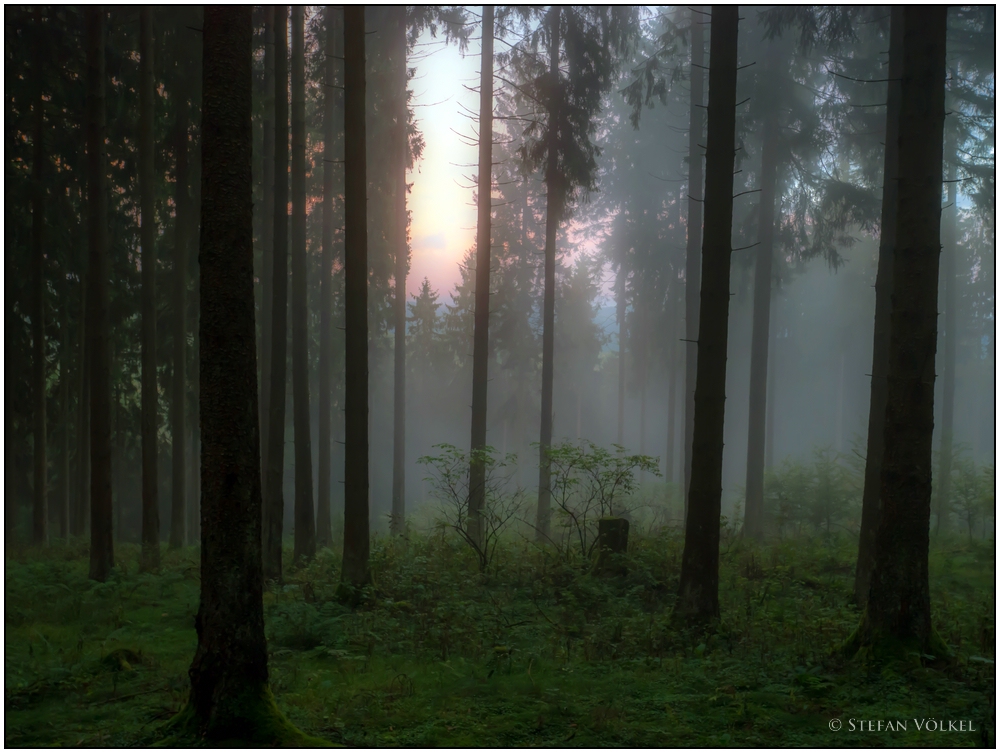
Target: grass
[539,653]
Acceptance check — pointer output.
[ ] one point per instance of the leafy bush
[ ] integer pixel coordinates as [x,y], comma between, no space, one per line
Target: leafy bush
[589,483]
[824,495]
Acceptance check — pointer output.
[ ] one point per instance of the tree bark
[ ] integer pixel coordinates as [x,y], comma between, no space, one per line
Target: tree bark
[553,209]
[871,504]
[178,386]
[274,501]
[355,572]
[668,464]
[694,221]
[65,358]
[481,336]
[40,501]
[399,303]
[305,523]
[620,305]
[753,512]
[81,512]
[898,606]
[267,236]
[149,408]
[324,535]
[769,421]
[229,670]
[102,555]
[949,250]
[698,601]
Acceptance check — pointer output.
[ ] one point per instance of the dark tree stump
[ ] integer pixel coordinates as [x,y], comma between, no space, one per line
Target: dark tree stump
[612,538]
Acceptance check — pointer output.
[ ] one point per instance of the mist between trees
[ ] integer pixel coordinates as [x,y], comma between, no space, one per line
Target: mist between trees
[790,335]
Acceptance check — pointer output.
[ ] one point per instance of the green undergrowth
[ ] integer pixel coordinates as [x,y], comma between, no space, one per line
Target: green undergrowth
[537,652]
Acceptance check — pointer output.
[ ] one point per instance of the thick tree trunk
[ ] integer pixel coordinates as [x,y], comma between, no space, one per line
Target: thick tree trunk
[274,500]
[324,535]
[194,420]
[229,696]
[40,501]
[305,523]
[898,606]
[267,236]
[178,386]
[692,274]
[399,303]
[355,571]
[481,337]
[698,601]
[949,249]
[553,209]
[871,504]
[753,518]
[149,399]
[102,555]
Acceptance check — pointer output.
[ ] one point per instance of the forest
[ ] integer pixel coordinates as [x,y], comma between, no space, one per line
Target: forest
[651,405]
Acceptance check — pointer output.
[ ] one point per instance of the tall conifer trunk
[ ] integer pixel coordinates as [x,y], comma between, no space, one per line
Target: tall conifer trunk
[668,468]
[229,698]
[871,504]
[149,407]
[898,607]
[399,298]
[620,305]
[753,520]
[267,236]
[355,572]
[81,511]
[178,386]
[102,557]
[40,502]
[698,601]
[65,494]
[553,209]
[324,535]
[692,274]
[274,500]
[481,337]
[305,523]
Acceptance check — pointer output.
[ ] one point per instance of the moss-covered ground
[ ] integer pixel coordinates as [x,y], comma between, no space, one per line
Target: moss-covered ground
[540,653]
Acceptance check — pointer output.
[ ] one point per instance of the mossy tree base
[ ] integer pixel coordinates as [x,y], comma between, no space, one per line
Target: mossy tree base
[871,643]
[251,721]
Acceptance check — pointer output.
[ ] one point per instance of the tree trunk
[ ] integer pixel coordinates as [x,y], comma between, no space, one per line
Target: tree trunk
[40,501]
[229,696]
[102,555]
[149,407]
[769,421]
[898,606]
[692,272]
[871,504]
[274,500]
[355,571]
[620,305]
[324,535]
[399,303]
[949,250]
[64,403]
[81,513]
[194,420]
[553,208]
[668,465]
[305,523]
[698,601]
[267,236]
[178,386]
[753,513]
[481,337]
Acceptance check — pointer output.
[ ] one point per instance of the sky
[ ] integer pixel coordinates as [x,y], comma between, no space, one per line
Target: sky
[441,200]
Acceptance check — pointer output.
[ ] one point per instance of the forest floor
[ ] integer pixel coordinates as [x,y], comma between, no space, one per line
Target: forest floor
[540,653]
